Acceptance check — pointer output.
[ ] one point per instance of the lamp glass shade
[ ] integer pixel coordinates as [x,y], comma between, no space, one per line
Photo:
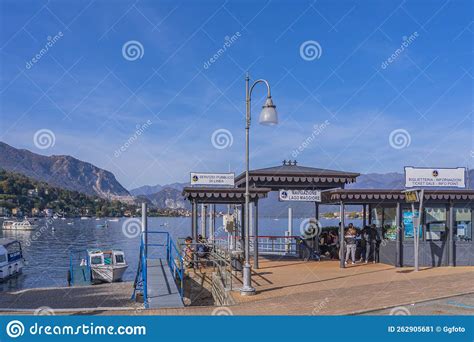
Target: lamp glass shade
[269,115]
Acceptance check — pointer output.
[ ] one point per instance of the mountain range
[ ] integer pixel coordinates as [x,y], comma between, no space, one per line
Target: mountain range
[63,171]
[73,174]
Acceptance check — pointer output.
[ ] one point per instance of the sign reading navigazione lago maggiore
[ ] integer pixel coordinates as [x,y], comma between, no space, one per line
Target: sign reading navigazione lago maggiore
[436,177]
[198,178]
[300,195]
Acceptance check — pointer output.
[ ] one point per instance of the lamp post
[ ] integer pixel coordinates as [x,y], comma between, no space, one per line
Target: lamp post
[268,116]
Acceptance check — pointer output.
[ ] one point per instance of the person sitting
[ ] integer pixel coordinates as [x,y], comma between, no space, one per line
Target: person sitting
[333,245]
[323,243]
[188,253]
[202,250]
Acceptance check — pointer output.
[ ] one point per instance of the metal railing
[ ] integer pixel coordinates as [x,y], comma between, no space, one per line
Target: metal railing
[276,245]
[79,269]
[218,255]
[267,244]
[173,258]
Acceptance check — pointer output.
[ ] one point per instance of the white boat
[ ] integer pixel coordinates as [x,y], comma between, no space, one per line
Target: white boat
[11,258]
[18,225]
[107,265]
[113,220]
[85,218]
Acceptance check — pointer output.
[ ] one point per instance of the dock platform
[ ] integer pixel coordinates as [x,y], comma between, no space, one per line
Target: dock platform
[162,289]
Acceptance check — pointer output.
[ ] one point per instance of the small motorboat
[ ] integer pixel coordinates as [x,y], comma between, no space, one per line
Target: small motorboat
[85,218]
[18,225]
[102,225]
[107,265]
[11,258]
[113,220]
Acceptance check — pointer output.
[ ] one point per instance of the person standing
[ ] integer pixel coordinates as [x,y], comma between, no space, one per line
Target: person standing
[350,239]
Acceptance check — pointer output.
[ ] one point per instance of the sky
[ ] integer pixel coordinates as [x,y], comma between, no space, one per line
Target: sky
[152,90]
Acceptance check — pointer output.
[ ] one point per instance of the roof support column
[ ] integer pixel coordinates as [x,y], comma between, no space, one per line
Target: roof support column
[203,220]
[451,244]
[255,236]
[194,222]
[242,227]
[364,215]
[398,215]
[318,226]
[212,221]
[369,207]
[341,235]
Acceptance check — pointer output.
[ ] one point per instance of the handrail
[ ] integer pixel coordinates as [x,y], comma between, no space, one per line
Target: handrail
[172,254]
[144,274]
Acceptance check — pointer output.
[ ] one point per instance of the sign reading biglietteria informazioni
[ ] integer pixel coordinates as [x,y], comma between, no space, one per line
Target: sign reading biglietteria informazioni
[435,177]
[300,195]
[198,178]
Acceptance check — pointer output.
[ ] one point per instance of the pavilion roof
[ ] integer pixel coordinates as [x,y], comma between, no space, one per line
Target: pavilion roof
[394,195]
[223,195]
[289,174]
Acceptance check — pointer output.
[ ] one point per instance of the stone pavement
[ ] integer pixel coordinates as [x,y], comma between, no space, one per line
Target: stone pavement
[293,287]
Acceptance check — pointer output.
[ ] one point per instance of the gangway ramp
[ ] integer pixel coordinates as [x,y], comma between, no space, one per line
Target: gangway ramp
[162,289]
[160,273]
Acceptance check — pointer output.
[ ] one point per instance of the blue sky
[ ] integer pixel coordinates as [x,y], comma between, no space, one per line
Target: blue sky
[380,109]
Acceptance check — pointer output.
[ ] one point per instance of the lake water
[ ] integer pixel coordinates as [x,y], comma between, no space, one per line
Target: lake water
[47,250]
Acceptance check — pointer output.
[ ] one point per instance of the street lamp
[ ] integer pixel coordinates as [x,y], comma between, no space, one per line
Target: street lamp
[268,116]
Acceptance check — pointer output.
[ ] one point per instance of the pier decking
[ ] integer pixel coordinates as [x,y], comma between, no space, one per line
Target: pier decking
[162,289]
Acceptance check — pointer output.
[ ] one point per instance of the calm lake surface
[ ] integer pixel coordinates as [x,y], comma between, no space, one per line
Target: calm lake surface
[47,250]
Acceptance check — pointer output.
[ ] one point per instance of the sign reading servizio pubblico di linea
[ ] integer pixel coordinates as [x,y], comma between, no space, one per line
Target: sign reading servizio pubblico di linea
[435,177]
[200,178]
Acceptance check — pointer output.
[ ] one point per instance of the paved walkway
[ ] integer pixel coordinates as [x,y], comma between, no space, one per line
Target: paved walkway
[292,287]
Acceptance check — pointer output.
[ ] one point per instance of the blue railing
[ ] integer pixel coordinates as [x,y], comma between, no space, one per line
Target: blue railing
[79,273]
[173,257]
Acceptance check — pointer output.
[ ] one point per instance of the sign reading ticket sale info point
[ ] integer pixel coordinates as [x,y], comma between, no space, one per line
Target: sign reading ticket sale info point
[435,177]
[200,178]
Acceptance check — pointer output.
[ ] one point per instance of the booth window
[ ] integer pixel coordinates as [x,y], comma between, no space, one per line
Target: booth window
[435,221]
[463,224]
[390,223]
[407,221]
[377,218]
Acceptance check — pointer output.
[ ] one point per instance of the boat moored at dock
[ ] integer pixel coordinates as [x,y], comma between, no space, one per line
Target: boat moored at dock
[106,265]
[11,258]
